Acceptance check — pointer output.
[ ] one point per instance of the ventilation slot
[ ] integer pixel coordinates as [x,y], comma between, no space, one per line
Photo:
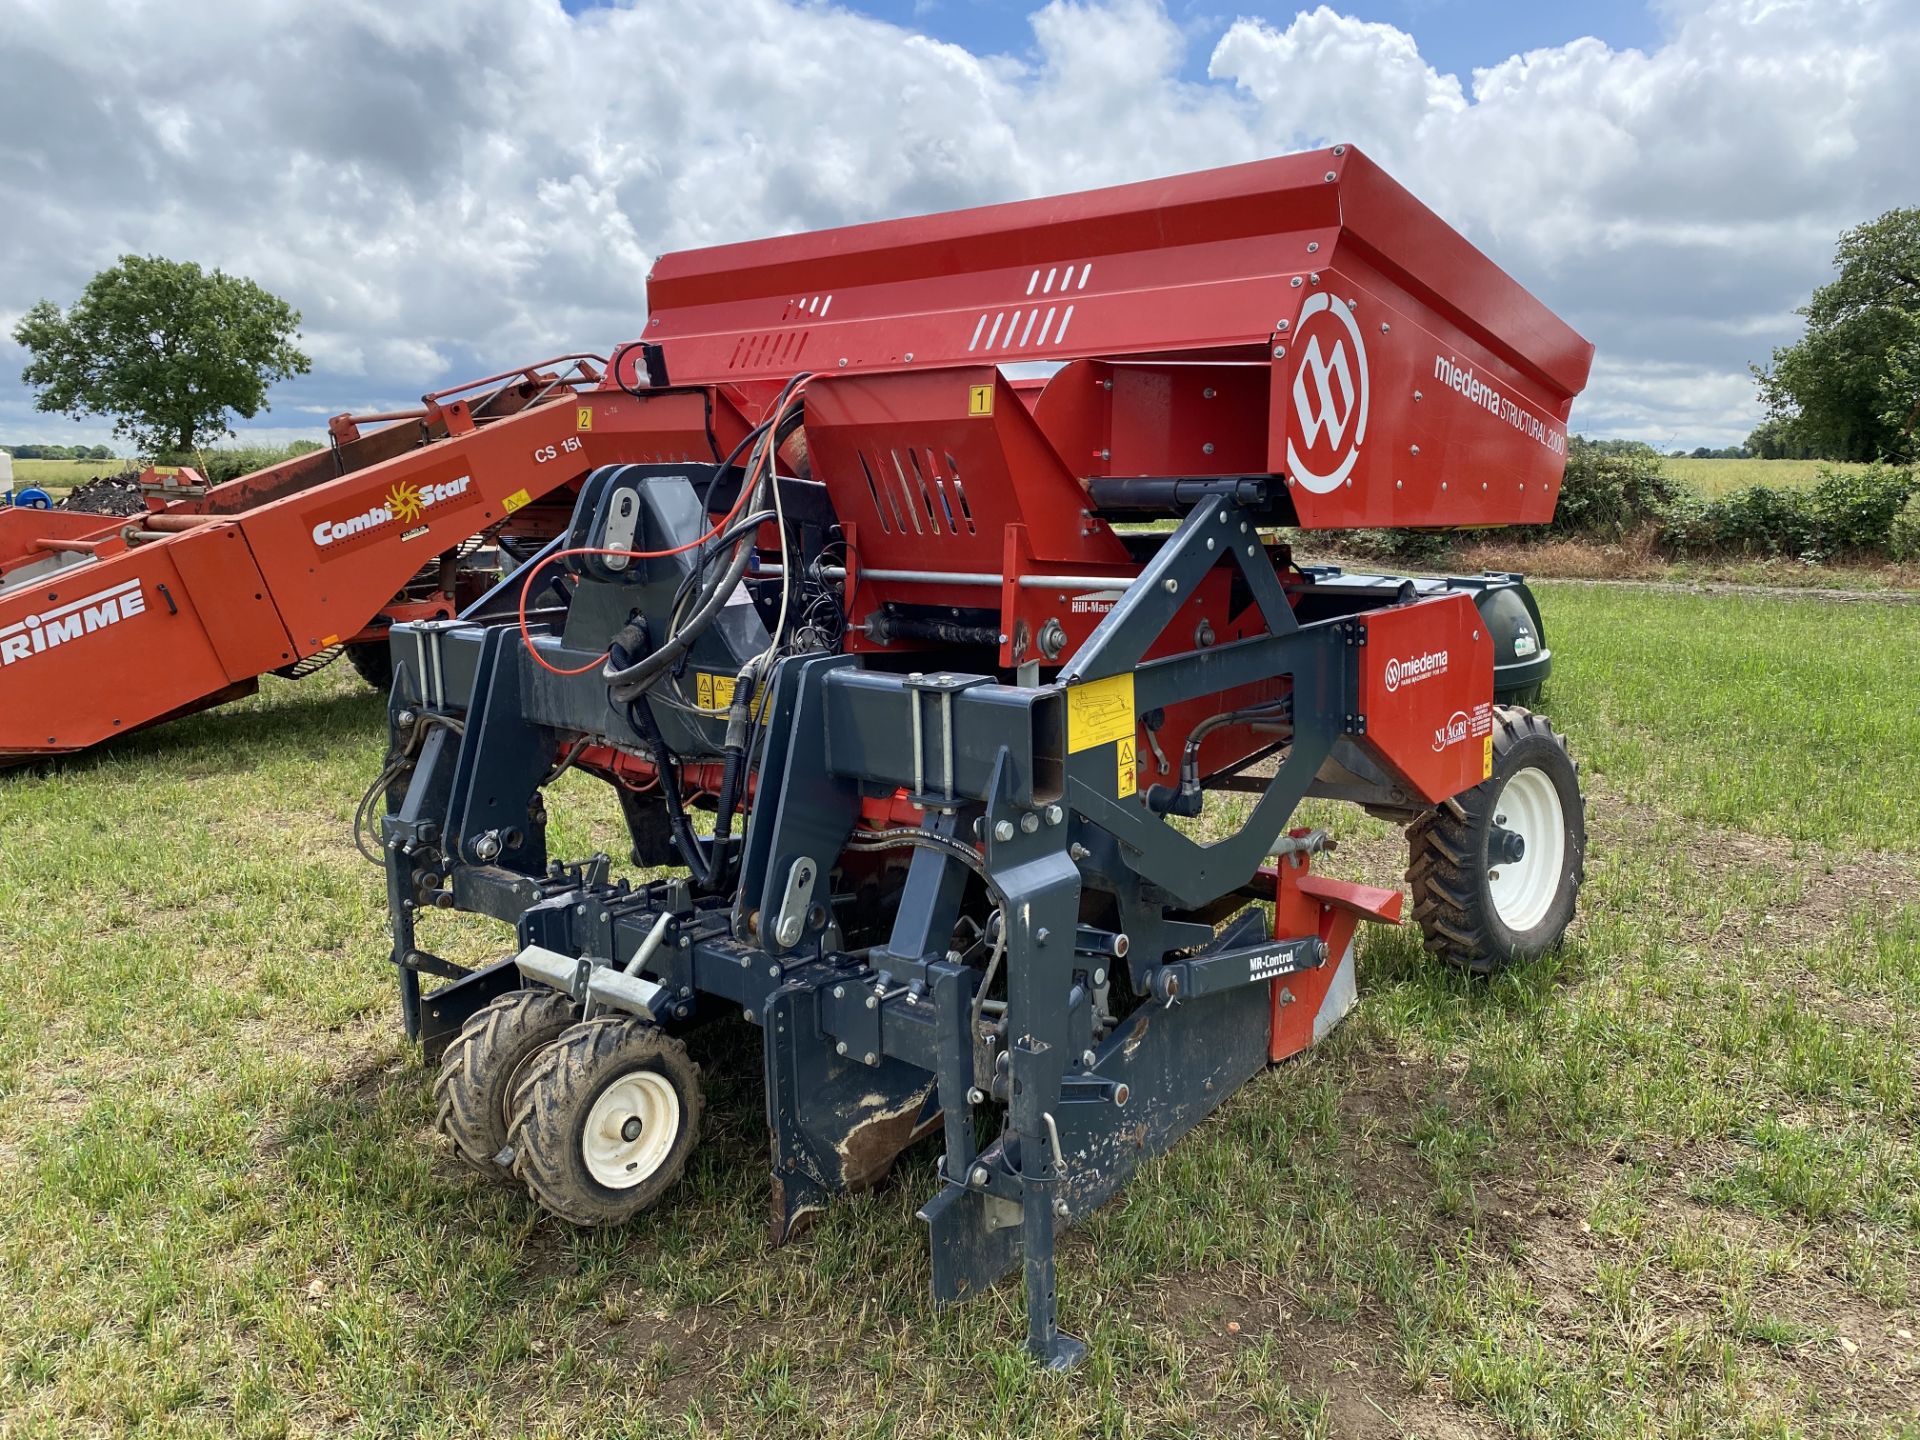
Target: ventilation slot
[873,489]
[914,508]
[960,495]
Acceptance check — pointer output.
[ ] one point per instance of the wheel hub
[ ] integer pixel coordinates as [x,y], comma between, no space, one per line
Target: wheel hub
[1528,844]
[631,1129]
[1505,847]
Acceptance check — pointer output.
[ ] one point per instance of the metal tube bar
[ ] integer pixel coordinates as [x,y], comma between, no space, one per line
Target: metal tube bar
[182,522]
[959,577]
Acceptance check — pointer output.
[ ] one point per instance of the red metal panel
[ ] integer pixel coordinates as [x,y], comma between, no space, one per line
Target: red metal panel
[1426,693]
[337,553]
[933,467]
[101,650]
[222,580]
[1317,267]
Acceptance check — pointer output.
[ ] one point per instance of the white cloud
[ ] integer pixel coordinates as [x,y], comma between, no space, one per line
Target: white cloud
[450,186]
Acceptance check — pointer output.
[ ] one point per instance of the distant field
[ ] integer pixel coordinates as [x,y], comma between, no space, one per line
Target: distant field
[1717,477]
[57,477]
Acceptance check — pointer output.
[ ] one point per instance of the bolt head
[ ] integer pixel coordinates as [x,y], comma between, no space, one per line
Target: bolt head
[841,1048]
[1099,977]
[1029,823]
[870,1058]
[839,992]
[979,1175]
[1055,814]
[1003,830]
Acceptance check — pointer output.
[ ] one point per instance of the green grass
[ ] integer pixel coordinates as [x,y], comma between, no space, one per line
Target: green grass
[1717,477]
[1664,1182]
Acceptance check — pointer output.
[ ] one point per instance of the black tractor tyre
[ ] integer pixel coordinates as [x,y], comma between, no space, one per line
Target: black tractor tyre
[479,1071]
[374,660]
[1480,899]
[604,1120]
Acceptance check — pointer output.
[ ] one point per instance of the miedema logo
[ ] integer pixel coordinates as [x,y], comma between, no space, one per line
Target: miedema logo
[404,504]
[37,634]
[1329,395]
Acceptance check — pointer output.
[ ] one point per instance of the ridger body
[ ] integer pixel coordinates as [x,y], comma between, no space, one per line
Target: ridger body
[963,725]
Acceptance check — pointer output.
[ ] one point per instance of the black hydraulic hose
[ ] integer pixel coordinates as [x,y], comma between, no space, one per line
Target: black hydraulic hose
[625,683]
[699,864]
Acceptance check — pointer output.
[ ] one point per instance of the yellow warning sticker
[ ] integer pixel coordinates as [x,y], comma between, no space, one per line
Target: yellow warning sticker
[1486,759]
[515,501]
[1100,712]
[715,692]
[584,416]
[979,399]
[1129,775]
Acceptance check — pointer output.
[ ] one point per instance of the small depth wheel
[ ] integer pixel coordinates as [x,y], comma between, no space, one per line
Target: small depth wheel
[484,1063]
[603,1121]
[1498,881]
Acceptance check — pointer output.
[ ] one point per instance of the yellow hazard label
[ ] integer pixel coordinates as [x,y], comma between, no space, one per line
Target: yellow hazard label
[1128,781]
[584,416]
[1100,712]
[979,399]
[715,692]
[515,501]
[1486,758]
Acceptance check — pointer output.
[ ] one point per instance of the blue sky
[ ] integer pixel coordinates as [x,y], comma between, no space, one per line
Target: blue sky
[1454,35]
[445,188]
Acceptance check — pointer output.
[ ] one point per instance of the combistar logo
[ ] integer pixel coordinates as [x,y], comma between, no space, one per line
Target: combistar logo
[404,504]
[1329,395]
[39,633]
[1415,668]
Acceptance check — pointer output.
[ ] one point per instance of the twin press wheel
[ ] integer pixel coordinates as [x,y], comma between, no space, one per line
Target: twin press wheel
[597,1118]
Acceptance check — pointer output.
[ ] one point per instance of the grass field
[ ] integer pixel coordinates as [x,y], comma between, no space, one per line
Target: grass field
[1664,1182]
[1717,477]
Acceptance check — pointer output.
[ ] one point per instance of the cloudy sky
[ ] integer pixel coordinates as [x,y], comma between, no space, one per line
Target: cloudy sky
[446,187]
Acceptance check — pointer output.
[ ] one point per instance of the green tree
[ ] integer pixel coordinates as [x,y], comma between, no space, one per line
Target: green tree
[1849,389]
[165,348]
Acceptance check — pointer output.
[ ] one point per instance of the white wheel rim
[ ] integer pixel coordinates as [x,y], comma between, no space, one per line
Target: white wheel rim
[1523,891]
[631,1129]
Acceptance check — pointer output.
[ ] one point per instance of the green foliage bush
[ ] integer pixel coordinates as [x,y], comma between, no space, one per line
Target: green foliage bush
[1842,513]
[230,462]
[1612,487]
[1904,533]
[1615,489]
